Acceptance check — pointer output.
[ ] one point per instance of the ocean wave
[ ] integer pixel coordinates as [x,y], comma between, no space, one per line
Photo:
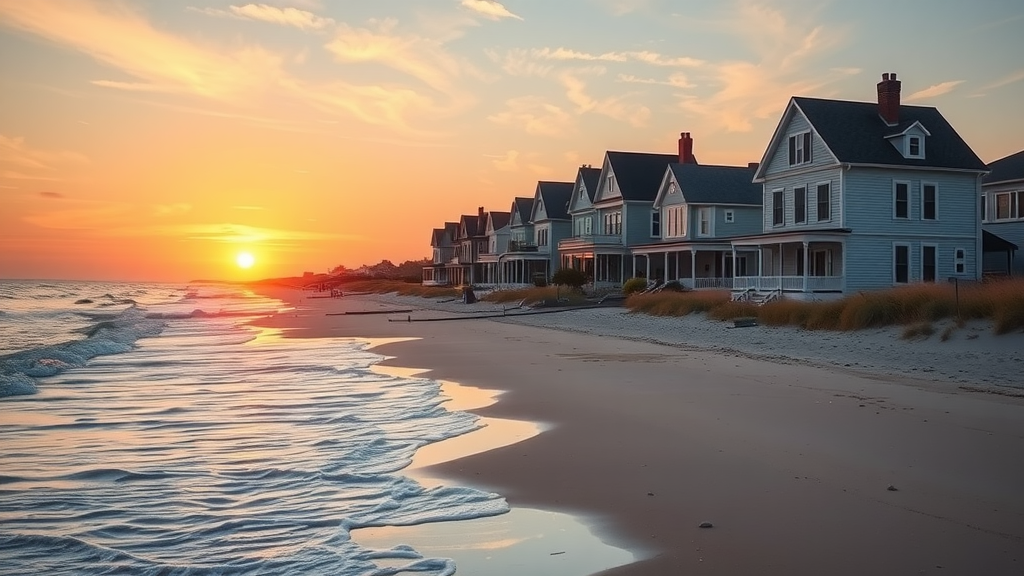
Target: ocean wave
[109,336]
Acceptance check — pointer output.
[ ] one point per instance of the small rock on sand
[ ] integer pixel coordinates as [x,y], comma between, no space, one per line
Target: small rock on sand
[706,524]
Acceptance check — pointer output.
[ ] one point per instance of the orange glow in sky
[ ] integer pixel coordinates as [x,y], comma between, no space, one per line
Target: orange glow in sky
[153,140]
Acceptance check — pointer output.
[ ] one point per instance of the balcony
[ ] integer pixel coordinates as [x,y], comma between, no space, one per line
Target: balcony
[790,283]
[521,246]
[588,240]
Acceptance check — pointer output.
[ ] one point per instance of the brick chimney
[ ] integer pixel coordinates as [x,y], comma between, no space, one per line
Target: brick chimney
[480,216]
[889,98]
[686,149]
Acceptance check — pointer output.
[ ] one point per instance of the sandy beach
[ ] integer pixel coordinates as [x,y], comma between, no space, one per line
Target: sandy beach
[809,452]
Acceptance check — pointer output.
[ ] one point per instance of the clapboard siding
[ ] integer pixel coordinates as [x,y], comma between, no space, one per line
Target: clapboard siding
[636,223]
[869,202]
[788,184]
[870,260]
[746,220]
[1014,232]
[779,161]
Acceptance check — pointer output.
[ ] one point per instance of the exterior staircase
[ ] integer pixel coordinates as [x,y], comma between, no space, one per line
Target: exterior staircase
[760,298]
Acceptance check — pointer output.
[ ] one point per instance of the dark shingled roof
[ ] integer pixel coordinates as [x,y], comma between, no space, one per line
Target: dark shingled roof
[639,174]
[556,196]
[471,223]
[591,178]
[856,134]
[436,236]
[1006,169]
[706,184]
[524,206]
[500,219]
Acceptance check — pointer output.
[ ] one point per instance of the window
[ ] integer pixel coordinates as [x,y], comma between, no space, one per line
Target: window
[800,205]
[730,216]
[676,224]
[704,214]
[959,260]
[1009,205]
[777,214]
[929,202]
[824,202]
[656,224]
[914,146]
[609,184]
[901,200]
[901,263]
[613,223]
[800,149]
[542,237]
[929,262]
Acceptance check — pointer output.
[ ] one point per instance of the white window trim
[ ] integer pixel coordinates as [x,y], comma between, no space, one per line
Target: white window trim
[959,261]
[994,209]
[730,216]
[676,217]
[771,213]
[936,262]
[895,184]
[701,211]
[804,156]
[651,230]
[936,186]
[910,262]
[817,216]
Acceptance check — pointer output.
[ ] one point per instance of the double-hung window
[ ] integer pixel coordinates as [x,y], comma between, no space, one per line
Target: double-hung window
[676,216]
[960,260]
[1009,205]
[929,262]
[929,202]
[901,200]
[656,224]
[800,149]
[778,216]
[824,202]
[901,263]
[704,214]
[800,205]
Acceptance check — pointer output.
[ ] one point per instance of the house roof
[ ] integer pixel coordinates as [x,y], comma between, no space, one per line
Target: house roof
[591,177]
[1006,169]
[707,184]
[856,134]
[524,206]
[437,236]
[471,223]
[556,196]
[992,243]
[639,174]
[500,219]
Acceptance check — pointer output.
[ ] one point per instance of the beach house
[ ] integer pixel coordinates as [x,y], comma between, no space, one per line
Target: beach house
[861,196]
[521,260]
[1002,210]
[443,243]
[620,210]
[699,209]
[498,231]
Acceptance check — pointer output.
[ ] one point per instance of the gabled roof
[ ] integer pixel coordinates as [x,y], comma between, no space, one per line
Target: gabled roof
[591,177]
[523,207]
[500,219]
[856,134]
[556,196]
[469,224]
[639,174]
[437,237]
[1006,169]
[707,184]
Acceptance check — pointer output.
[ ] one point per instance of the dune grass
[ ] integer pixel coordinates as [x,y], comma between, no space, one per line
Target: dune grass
[534,295]
[1001,302]
[401,288]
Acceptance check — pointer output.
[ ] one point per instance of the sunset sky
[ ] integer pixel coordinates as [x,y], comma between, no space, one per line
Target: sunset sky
[155,140]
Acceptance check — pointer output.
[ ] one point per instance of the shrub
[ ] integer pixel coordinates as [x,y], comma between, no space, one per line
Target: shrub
[924,329]
[534,295]
[539,279]
[674,286]
[634,285]
[570,277]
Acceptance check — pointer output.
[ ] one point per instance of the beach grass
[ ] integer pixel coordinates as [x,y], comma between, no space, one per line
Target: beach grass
[1001,302]
[401,288]
[533,295]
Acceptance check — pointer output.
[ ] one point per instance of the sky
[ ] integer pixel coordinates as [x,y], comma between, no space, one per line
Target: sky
[158,139]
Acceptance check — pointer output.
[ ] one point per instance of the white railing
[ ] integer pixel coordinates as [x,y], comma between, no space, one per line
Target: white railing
[712,283]
[789,283]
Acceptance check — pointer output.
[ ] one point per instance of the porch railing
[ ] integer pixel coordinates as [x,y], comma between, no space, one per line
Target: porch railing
[790,283]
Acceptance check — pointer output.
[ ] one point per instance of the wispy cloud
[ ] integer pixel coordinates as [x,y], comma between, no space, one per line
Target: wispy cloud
[15,152]
[172,209]
[489,9]
[677,80]
[51,195]
[535,116]
[934,90]
[1011,78]
[288,16]
[647,57]
[616,107]
[514,161]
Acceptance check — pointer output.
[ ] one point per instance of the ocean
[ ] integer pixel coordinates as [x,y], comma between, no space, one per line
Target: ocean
[148,429]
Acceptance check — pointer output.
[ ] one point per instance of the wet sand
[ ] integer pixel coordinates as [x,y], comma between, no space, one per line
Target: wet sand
[791,462]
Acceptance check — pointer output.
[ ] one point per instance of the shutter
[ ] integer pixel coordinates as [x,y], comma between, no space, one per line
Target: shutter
[792,150]
[807,147]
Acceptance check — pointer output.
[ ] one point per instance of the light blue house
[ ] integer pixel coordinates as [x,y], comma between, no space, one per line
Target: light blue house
[861,196]
[700,208]
[1002,210]
[620,212]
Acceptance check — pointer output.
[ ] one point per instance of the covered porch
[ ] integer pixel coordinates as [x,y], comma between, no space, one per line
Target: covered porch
[602,269]
[705,266]
[516,269]
[803,263]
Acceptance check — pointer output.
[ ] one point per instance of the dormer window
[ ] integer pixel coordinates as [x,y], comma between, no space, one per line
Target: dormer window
[914,146]
[672,188]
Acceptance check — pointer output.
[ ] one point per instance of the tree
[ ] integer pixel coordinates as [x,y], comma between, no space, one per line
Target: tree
[570,277]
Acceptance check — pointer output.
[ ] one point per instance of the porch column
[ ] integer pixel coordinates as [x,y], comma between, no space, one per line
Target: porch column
[679,273]
[634,266]
[693,267]
[648,258]
[806,244]
[666,266]
[622,270]
[734,266]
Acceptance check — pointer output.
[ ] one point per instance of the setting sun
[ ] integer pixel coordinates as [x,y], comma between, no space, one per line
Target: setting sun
[245,260]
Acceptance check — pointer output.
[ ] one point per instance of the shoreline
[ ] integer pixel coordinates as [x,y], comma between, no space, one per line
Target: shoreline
[650,440]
